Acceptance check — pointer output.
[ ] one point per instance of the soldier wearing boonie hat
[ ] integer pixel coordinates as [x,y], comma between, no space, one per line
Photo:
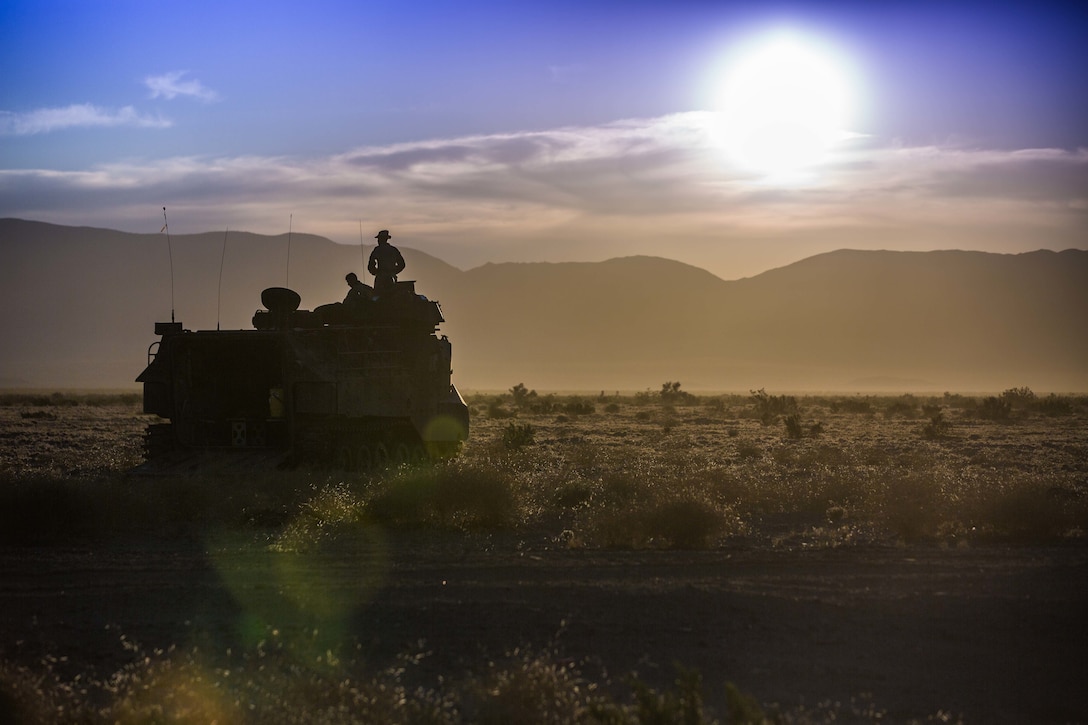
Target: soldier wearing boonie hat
[385,264]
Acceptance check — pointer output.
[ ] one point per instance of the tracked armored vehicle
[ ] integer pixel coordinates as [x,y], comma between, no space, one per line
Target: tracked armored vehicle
[352,385]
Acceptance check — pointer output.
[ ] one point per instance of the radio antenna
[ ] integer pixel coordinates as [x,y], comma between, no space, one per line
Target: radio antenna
[222,260]
[362,245]
[170,251]
[287,276]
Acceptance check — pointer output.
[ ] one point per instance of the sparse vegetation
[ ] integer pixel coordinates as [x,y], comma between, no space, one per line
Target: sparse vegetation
[517,436]
[794,427]
[270,683]
[719,473]
[937,427]
[522,395]
[994,408]
[767,407]
[1054,405]
[720,477]
[1021,397]
[496,410]
[671,394]
[69,400]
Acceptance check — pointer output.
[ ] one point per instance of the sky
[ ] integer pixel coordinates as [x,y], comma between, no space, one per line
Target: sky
[734,136]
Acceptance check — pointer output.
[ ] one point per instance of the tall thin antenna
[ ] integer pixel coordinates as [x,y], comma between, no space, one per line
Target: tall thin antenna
[362,245]
[287,277]
[222,259]
[170,251]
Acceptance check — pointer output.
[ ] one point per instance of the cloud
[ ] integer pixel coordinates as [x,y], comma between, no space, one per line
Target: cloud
[47,120]
[171,85]
[638,186]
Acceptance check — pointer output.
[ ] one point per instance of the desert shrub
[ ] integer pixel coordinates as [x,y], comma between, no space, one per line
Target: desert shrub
[39,400]
[794,428]
[673,395]
[477,497]
[612,408]
[994,408]
[524,688]
[852,405]
[544,405]
[743,709]
[457,493]
[406,499]
[495,410]
[1034,513]
[1054,405]
[70,400]
[904,407]
[684,704]
[768,407]
[579,406]
[683,524]
[517,436]
[1021,397]
[573,494]
[959,402]
[715,405]
[38,415]
[937,427]
[273,682]
[522,395]
[648,500]
[41,696]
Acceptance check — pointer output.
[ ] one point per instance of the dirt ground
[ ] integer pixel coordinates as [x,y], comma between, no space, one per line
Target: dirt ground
[992,635]
[989,634]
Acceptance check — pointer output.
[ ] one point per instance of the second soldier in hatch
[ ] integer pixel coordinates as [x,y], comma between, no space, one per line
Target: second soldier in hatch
[385,264]
[357,291]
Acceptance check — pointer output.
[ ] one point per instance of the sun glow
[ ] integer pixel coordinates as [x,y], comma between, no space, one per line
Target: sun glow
[783,107]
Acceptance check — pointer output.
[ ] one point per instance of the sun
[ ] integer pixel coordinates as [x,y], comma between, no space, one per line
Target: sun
[783,106]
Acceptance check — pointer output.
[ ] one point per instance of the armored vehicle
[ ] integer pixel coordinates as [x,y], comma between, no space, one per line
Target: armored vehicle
[355,384]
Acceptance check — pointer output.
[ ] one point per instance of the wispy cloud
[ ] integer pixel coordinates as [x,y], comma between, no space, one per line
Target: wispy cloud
[173,84]
[46,120]
[644,186]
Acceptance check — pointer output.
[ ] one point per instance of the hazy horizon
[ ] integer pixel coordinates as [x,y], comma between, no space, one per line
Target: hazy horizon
[849,320]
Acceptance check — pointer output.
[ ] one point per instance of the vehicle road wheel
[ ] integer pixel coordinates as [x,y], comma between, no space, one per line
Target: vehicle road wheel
[401,454]
[419,454]
[345,461]
[381,456]
[364,459]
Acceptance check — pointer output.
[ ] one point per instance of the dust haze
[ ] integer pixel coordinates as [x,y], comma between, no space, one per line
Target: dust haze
[82,304]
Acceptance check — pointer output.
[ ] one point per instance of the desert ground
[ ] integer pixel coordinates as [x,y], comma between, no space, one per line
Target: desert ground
[753,557]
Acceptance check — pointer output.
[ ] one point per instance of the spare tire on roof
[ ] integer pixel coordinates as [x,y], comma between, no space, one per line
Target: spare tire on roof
[280,300]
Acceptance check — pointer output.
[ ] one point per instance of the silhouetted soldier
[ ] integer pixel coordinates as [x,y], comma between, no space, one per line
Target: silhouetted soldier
[385,264]
[359,292]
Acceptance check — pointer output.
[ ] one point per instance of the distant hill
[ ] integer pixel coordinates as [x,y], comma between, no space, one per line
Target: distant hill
[81,305]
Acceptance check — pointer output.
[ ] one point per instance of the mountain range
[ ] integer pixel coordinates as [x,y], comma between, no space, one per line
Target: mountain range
[81,303]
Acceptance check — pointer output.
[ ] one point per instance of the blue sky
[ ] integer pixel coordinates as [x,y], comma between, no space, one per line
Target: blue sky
[482,131]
